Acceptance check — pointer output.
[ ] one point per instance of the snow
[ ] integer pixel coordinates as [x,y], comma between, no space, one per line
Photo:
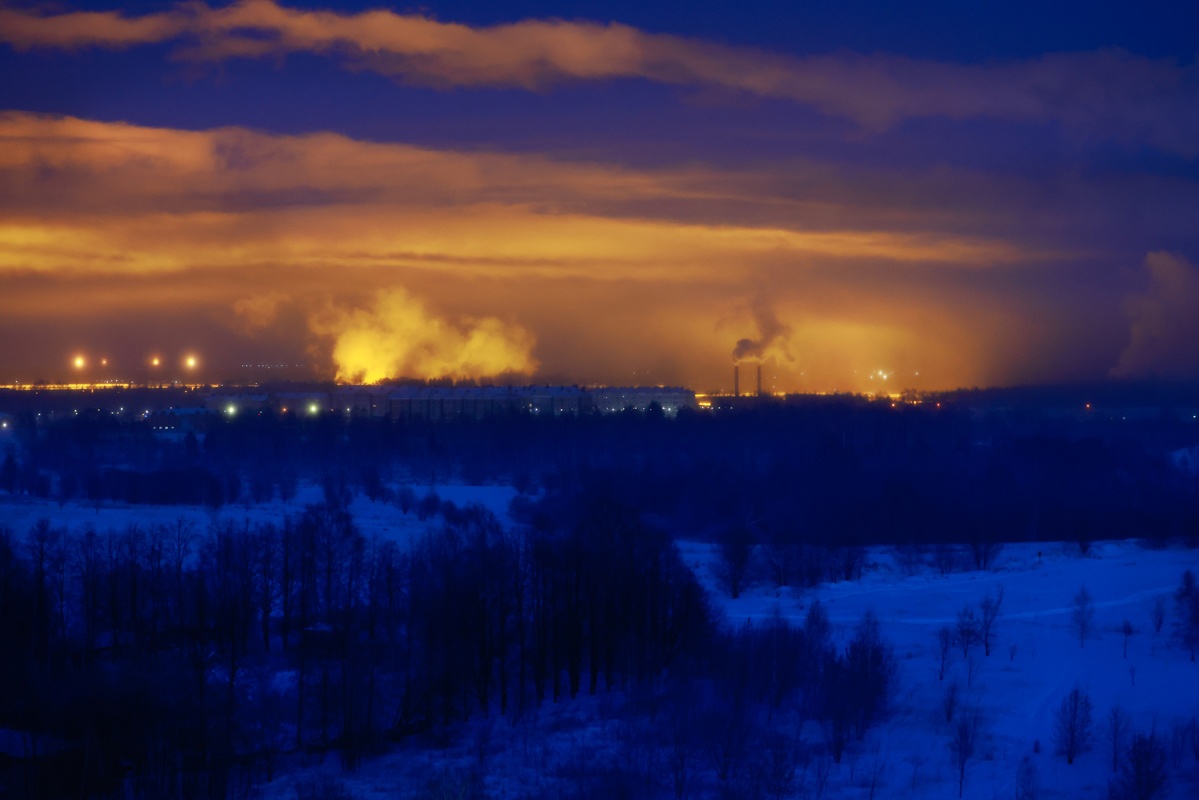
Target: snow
[1035,661]
[374,519]
[1017,691]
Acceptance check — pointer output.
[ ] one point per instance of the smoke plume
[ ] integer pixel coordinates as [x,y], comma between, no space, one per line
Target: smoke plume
[397,336]
[772,337]
[1163,322]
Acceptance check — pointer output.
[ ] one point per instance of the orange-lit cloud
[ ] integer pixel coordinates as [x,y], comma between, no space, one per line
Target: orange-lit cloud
[1105,94]
[91,197]
[398,336]
[518,263]
[1164,322]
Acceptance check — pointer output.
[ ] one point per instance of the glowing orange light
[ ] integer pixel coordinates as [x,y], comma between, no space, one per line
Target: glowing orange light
[190,361]
[104,362]
[79,362]
[154,362]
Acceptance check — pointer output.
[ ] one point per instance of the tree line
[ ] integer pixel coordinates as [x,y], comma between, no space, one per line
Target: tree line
[836,470]
[167,662]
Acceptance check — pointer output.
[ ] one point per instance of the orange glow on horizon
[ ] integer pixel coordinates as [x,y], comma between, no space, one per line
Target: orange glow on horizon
[476,264]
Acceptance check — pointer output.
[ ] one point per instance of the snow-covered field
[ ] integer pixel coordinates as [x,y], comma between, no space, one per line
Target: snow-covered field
[1036,661]
[382,519]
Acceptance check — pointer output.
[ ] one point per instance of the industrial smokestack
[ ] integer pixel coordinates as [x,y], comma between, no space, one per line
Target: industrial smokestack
[736,380]
[759,380]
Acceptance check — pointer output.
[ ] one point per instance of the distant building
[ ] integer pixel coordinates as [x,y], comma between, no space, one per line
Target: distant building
[613,400]
[478,402]
[363,401]
[229,403]
[301,403]
[176,423]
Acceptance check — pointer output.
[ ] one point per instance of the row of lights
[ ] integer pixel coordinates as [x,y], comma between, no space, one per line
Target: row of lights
[189,361]
[313,409]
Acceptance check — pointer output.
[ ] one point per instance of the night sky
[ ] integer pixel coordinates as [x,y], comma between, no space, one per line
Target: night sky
[947,194]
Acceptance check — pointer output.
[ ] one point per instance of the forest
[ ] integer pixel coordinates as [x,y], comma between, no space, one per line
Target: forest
[173,660]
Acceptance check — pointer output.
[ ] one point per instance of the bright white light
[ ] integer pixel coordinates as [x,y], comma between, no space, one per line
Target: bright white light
[231,410]
[313,408]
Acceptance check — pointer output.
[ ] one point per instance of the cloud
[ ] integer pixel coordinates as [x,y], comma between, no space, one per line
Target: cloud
[258,311]
[397,336]
[1101,94]
[91,197]
[1163,322]
[608,269]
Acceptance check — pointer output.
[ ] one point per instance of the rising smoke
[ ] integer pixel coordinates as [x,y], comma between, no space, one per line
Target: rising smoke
[773,337]
[1163,322]
[397,336]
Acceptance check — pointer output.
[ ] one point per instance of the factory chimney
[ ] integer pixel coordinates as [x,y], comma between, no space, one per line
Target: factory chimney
[759,380]
[736,380]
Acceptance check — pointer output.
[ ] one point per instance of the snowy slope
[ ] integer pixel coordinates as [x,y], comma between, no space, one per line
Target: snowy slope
[1017,692]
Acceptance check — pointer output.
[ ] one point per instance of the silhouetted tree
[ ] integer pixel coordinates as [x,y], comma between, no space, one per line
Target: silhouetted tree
[736,551]
[1118,727]
[988,610]
[1143,774]
[1082,616]
[967,632]
[1187,598]
[944,650]
[1072,726]
[963,742]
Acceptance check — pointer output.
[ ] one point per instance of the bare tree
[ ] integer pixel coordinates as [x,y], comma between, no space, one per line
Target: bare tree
[1143,773]
[1157,614]
[1026,780]
[911,555]
[974,665]
[1072,725]
[944,648]
[1195,736]
[736,551]
[967,630]
[945,558]
[1083,615]
[988,613]
[963,742]
[1187,597]
[949,700]
[985,550]
[1180,733]
[1127,629]
[783,559]
[1118,727]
